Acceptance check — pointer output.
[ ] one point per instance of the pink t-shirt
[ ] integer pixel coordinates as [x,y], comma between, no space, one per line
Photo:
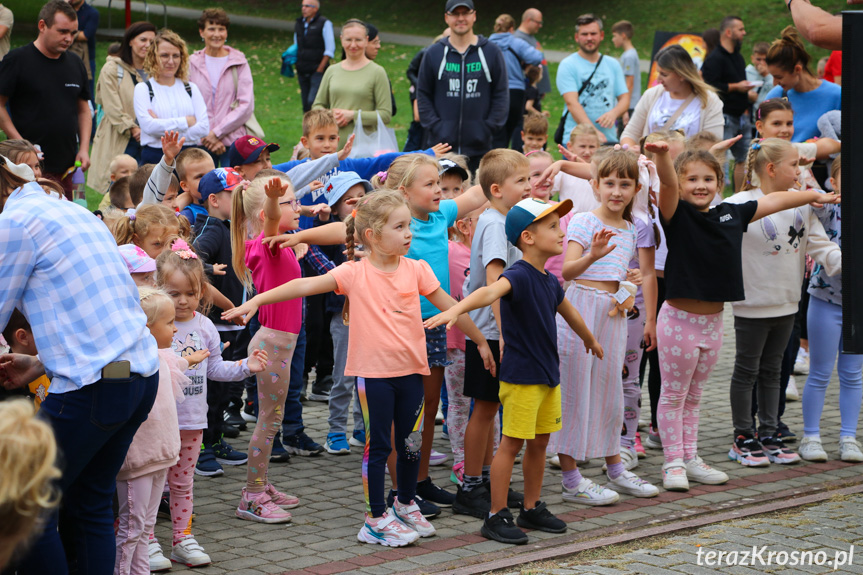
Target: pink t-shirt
[459,269]
[272,267]
[386,337]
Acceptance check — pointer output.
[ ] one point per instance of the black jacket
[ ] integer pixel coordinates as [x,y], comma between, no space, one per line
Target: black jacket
[310,45]
[213,244]
[463,99]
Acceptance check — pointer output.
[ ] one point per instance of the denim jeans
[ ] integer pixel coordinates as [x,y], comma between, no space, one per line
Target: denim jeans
[94,427]
[309,84]
[292,424]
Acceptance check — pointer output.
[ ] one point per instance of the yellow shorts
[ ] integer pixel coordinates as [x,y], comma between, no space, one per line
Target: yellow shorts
[529,410]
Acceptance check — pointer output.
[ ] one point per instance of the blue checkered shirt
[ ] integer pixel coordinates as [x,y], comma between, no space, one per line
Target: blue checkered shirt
[61,267]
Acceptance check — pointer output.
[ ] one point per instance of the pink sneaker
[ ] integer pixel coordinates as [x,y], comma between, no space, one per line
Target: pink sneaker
[457,475]
[259,507]
[411,516]
[639,449]
[283,500]
[386,530]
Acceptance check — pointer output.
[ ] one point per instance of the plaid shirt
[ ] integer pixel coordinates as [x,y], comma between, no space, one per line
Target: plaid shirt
[61,267]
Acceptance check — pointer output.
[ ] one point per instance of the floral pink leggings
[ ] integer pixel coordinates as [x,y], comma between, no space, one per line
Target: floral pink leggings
[458,410]
[688,346]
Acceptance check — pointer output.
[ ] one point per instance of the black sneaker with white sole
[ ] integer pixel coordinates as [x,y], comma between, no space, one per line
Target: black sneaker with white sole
[501,527]
[540,518]
[227,455]
[434,494]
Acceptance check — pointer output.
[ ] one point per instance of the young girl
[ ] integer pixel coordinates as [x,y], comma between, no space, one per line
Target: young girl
[22,152]
[774,261]
[149,228]
[156,446]
[262,210]
[180,273]
[386,352]
[601,245]
[583,144]
[825,325]
[703,270]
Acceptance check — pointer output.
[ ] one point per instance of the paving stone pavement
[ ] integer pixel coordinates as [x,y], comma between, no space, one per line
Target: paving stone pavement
[322,537]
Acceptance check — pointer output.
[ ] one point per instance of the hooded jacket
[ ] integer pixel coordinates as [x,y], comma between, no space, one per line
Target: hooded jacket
[227,123]
[515,52]
[463,99]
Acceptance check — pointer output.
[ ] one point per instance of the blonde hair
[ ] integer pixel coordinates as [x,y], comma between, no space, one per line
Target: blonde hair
[497,165]
[372,213]
[535,124]
[583,130]
[761,153]
[186,156]
[315,120]
[152,300]
[147,216]
[676,59]
[28,467]
[112,167]
[151,60]
[542,154]
[701,139]
[660,136]
[170,261]
[836,167]
[504,23]
[403,171]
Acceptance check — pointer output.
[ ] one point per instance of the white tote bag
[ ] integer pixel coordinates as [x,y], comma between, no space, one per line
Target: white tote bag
[370,145]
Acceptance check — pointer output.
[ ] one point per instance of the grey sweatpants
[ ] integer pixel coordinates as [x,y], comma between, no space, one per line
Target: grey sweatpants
[343,386]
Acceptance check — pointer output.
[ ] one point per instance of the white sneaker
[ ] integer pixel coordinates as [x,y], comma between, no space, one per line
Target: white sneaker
[791,391]
[628,457]
[698,471]
[849,449]
[158,562]
[437,458]
[811,449]
[631,484]
[411,516]
[554,461]
[674,476]
[438,418]
[386,530]
[801,364]
[189,553]
[590,493]
[643,424]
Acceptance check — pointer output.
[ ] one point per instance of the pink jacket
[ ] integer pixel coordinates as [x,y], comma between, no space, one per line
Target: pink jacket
[227,124]
[156,445]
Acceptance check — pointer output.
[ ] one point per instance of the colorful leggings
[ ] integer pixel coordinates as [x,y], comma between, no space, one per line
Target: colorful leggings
[272,391]
[391,405]
[458,410]
[180,480]
[631,366]
[689,345]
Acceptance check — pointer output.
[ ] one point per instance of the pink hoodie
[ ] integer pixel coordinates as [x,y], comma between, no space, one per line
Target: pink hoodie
[226,123]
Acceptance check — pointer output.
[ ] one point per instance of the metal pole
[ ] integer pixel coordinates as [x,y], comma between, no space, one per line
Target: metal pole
[852,182]
[128,13]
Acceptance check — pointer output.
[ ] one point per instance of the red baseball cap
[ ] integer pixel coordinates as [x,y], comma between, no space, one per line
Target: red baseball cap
[247,149]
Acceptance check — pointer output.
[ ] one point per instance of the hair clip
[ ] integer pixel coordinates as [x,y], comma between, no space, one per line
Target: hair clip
[130,213]
[382,177]
[756,145]
[354,213]
[182,249]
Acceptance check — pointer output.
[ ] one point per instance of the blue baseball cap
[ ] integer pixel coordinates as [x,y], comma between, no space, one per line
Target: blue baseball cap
[341,183]
[219,180]
[528,211]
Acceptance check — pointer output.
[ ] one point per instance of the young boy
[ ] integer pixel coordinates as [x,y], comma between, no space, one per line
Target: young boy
[529,298]
[534,133]
[120,167]
[192,165]
[504,177]
[249,155]
[756,71]
[621,36]
[19,337]
[453,175]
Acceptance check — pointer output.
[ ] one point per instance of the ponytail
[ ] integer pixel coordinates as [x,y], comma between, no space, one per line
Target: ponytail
[238,238]
[350,242]
[788,51]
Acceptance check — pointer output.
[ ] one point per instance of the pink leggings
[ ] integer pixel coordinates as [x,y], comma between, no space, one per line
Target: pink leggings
[180,478]
[139,503]
[631,371]
[688,348]
[458,409]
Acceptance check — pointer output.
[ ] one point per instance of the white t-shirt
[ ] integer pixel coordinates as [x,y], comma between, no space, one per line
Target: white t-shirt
[575,189]
[215,66]
[689,121]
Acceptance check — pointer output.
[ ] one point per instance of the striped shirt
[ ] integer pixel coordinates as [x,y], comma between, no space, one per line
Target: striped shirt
[613,266]
[61,267]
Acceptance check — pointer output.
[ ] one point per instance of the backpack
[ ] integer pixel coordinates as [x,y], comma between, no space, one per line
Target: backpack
[100,113]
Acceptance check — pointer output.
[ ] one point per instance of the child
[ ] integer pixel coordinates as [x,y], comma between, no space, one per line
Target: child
[192,165]
[825,324]
[19,336]
[703,270]
[119,196]
[453,175]
[756,72]
[621,37]
[180,273]
[27,490]
[583,144]
[156,445]
[386,351]
[141,266]
[534,132]
[249,155]
[601,244]
[121,166]
[540,160]
[532,97]
[530,298]
[22,152]
[774,261]
[149,228]
[263,210]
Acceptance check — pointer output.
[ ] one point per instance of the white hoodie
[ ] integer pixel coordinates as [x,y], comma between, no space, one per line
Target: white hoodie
[774,258]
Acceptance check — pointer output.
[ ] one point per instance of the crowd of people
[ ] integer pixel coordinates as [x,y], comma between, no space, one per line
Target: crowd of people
[522,298]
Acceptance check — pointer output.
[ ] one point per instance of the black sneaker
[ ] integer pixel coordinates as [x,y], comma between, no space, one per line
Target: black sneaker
[476,502]
[233,417]
[501,527]
[321,389]
[540,518]
[207,464]
[429,510]
[227,455]
[302,444]
[164,507]
[514,499]
[249,413]
[279,453]
[785,434]
[229,431]
[437,495]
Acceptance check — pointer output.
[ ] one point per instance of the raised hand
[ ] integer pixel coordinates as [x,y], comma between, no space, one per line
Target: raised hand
[276,188]
[346,151]
[599,246]
[567,155]
[441,149]
[658,147]
[172,145]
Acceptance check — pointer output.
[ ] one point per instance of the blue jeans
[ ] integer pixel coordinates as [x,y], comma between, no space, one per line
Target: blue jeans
[309,85]
[94,427]
[735,125]
[292,424]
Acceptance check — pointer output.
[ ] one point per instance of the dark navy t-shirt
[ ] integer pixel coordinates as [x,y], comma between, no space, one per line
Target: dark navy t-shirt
[527,318]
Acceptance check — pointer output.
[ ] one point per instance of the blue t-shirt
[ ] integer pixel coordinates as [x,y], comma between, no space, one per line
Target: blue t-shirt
[606,86]
[430,243]
[809,106]
[528,320]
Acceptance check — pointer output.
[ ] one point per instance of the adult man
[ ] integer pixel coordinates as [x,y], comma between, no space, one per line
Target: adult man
[725,69]
[462,89]
[819,27]
[316,46]
[60,266]
[593,87]
[46,90]
[531,23]
[85,42]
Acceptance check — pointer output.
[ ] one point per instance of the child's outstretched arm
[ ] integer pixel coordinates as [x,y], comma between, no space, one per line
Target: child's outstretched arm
[482,297]
[443,301]
[778,201]
[576,322]
[329,235]
[669,189]
[576,262]
[160,178]
[471,200]
[300,287]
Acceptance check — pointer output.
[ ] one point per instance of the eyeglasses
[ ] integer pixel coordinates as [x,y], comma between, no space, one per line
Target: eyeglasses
[464,14]
[309,6]
[295,204]
[538,22]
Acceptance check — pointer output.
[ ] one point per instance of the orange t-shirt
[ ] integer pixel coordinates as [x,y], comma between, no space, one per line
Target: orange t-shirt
[386,337]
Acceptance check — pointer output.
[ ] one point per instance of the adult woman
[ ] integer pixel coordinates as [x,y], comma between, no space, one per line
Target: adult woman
[516,53]
[788,62]
[118,132]
[225,79]
[680,84]
[355,83]
[372,49]
[167,101]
